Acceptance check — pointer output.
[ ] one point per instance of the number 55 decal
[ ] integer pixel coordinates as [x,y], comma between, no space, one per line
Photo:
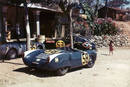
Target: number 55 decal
[84,58]
[60,43]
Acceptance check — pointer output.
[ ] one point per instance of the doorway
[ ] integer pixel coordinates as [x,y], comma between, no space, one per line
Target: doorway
[47,24]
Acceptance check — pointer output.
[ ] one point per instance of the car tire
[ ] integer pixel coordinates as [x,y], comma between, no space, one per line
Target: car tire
[12,53]
[62,71]
[90,63]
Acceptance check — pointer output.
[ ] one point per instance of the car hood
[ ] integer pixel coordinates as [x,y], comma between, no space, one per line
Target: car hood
[42,54]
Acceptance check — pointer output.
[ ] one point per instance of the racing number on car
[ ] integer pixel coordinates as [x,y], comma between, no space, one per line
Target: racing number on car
[52,51]
[60,43]
[84,58]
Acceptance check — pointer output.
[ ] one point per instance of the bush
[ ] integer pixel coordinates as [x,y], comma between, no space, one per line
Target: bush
[105,27]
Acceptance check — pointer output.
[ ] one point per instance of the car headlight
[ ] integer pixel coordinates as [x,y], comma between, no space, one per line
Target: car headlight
[38,60]
[56,59]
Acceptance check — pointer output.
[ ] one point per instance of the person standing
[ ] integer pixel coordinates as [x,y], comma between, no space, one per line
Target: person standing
[111,47]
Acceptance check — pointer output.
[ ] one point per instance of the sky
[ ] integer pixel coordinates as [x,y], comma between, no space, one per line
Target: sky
[127,6]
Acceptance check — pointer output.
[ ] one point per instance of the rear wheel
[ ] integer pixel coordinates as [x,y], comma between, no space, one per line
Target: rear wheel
[62,71]
[12,53]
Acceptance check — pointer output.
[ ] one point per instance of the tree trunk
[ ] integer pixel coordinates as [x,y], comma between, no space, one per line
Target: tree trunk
[96,8]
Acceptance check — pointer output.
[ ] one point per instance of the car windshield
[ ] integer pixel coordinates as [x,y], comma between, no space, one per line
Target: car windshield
[65,43]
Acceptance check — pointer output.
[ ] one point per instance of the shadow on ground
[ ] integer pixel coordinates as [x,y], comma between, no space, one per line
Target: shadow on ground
[41,73]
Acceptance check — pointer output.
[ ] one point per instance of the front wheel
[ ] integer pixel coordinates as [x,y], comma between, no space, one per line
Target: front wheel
[62,71]
[11,54]
[90,63]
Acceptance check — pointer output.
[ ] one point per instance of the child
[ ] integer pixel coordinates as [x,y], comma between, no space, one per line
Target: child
[111,47]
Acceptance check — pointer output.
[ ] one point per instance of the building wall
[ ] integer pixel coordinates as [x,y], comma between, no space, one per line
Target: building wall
[113,13]
[1,26]
[15,16]
[103,12]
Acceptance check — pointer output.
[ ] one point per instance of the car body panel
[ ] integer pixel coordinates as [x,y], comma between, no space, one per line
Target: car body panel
[75,58]
[38,59]
[20,47]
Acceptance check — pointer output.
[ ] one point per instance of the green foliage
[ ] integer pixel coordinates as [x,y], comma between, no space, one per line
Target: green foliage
[105,27]
[79,27]
[90,15]
[99,26]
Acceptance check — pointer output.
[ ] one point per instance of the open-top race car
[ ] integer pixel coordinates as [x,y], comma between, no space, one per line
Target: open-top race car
[62,59]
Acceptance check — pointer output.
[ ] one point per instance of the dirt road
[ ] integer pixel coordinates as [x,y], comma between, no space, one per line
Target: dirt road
[109,71]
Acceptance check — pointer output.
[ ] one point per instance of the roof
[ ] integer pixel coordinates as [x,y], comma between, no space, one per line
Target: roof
[38,6]
[40,1]
[116,9]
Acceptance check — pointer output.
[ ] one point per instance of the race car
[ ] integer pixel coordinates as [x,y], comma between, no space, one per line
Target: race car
[61,59]
[13,50]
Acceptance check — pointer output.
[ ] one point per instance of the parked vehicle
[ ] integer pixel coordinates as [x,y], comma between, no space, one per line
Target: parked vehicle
[12,50]
[61,59]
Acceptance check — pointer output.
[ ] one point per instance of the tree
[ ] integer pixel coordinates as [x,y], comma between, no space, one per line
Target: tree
[92,13]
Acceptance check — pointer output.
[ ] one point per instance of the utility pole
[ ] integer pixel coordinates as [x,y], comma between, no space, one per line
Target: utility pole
[71,29]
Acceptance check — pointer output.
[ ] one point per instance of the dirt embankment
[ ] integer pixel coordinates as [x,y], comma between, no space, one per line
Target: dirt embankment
[125,26]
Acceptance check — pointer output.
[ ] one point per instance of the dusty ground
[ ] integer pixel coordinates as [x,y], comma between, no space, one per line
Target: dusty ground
[109,71]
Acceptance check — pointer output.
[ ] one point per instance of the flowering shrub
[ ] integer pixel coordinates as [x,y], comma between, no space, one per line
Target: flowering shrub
[105,27]
[81,27]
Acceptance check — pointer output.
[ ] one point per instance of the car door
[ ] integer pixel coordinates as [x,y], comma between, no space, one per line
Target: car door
[75,58]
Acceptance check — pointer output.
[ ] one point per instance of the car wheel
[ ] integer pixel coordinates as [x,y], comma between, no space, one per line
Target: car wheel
[12,53]
[91,63]
[62,71]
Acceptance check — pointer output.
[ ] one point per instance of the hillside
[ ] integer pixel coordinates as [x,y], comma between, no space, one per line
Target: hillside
[125,27]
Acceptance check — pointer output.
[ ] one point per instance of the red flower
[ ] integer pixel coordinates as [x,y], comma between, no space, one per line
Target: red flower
[99,21]
[109,19]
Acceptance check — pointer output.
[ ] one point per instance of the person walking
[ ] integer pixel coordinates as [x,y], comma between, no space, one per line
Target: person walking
[111,47]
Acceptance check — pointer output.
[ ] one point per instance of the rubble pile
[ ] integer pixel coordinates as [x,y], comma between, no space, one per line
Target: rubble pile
[103,41]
